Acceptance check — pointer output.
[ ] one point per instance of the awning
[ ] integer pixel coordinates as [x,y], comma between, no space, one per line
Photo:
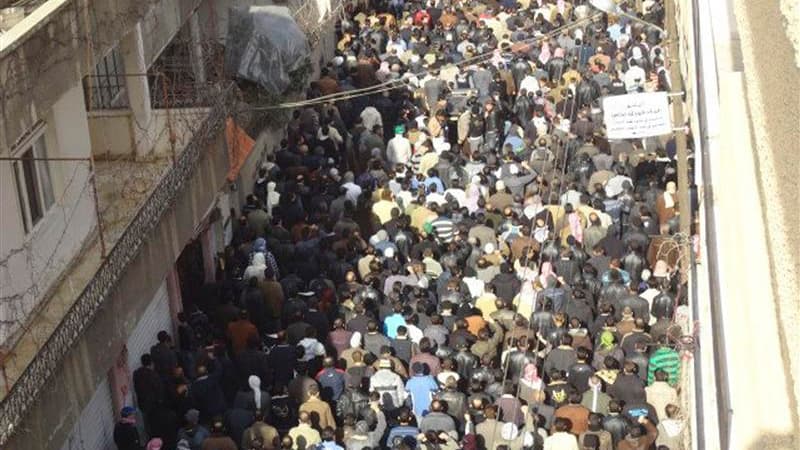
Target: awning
[239,147]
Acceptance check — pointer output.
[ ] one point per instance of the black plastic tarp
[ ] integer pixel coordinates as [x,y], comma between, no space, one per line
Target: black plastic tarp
[264,45]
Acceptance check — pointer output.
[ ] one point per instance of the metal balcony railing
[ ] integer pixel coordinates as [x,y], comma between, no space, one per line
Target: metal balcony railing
[25,391]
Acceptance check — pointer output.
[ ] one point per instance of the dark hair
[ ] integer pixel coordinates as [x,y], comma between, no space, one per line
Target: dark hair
[562,424]
[163,336]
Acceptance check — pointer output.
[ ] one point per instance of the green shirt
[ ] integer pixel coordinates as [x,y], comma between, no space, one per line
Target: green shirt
[667,360]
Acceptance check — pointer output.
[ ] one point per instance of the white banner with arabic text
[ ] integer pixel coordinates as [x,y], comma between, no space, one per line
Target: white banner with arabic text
[634,116]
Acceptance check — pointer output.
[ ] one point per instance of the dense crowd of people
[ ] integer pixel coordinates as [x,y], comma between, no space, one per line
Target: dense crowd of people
[445,252]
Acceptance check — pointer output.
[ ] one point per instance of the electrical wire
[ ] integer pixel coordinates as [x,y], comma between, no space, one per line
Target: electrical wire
[399,83]
[388,84]
[507,362]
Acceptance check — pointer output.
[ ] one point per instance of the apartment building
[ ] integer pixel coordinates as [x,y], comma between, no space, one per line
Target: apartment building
[115,175]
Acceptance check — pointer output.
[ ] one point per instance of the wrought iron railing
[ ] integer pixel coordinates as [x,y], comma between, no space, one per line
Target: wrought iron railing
[312,22]
[25,391]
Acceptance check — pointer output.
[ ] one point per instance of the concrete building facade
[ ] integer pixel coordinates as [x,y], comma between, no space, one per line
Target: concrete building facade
[109,174]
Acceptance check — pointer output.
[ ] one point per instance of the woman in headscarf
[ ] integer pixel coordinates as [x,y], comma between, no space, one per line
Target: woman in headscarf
[473,194]
[384,71]
[544,54]
[574,226]
[256,267]
[260,246]
[355,346]
[273,197]
[531,386]
[546,273]
[253,399]
[260,398]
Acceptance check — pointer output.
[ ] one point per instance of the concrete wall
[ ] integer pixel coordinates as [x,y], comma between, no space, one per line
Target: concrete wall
[140,130]
[162,23]
[115,133]
[50,420]
[30,263]
[111,133]
[30,84]
[34,88]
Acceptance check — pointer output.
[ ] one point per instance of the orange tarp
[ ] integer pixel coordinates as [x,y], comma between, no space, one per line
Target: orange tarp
[239,147]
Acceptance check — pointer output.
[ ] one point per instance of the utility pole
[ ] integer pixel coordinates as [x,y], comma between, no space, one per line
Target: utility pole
[676,86]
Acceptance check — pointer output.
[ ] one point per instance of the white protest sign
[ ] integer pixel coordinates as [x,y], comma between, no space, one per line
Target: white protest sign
[633,116]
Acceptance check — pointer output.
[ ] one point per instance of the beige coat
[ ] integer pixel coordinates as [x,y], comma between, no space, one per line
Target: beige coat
[320,412]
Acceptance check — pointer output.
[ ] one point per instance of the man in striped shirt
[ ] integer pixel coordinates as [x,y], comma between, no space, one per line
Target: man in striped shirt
[665,359]
[443,226]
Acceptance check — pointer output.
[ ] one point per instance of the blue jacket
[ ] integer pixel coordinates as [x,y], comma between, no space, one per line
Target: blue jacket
[421,388]
[391,323]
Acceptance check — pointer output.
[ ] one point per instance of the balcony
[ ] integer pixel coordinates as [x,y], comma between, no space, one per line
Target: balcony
[153,174]
[133,196]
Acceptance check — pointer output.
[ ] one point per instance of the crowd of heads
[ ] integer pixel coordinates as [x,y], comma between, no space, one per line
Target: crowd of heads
[446,251]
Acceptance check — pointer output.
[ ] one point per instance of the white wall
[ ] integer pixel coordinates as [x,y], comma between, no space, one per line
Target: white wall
[30,263]
[112,132]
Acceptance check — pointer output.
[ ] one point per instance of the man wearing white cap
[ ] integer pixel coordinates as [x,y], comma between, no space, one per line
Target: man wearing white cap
[501,198]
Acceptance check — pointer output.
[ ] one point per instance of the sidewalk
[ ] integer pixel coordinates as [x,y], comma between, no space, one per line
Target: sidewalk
[752,197]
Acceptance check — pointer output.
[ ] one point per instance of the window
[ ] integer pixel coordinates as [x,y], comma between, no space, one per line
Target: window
[105,89]
[32,178]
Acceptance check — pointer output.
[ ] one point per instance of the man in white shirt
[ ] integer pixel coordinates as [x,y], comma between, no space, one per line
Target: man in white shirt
[353,190]
[561,439]
[313,348]
[529,83]
[434,196]
[634,78]
[615,185]
[398,150]
[458,194]
[371,117]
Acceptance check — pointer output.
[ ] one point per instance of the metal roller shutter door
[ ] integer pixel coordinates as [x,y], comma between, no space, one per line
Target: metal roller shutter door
[155,318]
[94,430]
